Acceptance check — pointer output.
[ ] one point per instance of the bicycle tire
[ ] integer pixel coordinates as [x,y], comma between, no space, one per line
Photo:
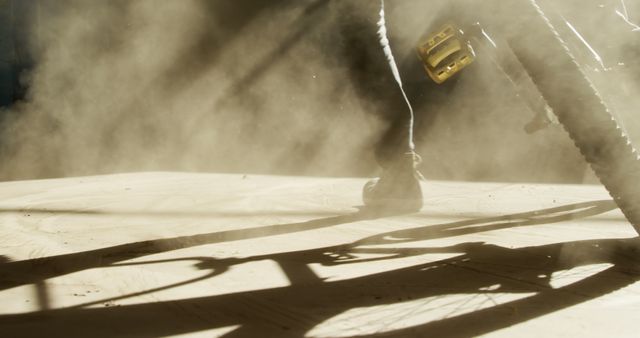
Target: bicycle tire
[579,106]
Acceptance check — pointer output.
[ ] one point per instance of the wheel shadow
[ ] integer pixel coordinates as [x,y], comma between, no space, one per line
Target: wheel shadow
[310,300]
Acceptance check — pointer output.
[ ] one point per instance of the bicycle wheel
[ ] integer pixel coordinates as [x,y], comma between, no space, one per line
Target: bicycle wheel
[578,105]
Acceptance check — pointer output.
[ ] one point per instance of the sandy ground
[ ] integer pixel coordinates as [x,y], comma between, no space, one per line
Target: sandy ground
[181,254]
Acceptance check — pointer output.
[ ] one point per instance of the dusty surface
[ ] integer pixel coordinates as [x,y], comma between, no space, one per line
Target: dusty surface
[159,254]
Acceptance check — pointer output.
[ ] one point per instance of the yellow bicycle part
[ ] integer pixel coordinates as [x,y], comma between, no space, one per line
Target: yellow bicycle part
[445,53]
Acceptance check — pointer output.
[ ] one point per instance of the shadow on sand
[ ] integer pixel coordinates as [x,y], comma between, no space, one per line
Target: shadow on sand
[309,300]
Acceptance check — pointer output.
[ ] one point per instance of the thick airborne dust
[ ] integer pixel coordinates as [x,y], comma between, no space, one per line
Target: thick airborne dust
[188,85]
[274,87]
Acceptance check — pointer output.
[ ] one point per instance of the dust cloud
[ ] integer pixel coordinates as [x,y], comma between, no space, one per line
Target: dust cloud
[274,87]
[186,85]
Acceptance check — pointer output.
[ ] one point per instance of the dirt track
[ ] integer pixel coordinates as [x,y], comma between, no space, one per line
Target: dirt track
[157,254]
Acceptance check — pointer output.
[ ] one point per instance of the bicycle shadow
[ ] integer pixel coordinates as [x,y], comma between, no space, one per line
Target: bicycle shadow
[36,270]
[298,309]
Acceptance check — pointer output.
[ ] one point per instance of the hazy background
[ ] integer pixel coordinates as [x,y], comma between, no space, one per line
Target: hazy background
[250,86]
